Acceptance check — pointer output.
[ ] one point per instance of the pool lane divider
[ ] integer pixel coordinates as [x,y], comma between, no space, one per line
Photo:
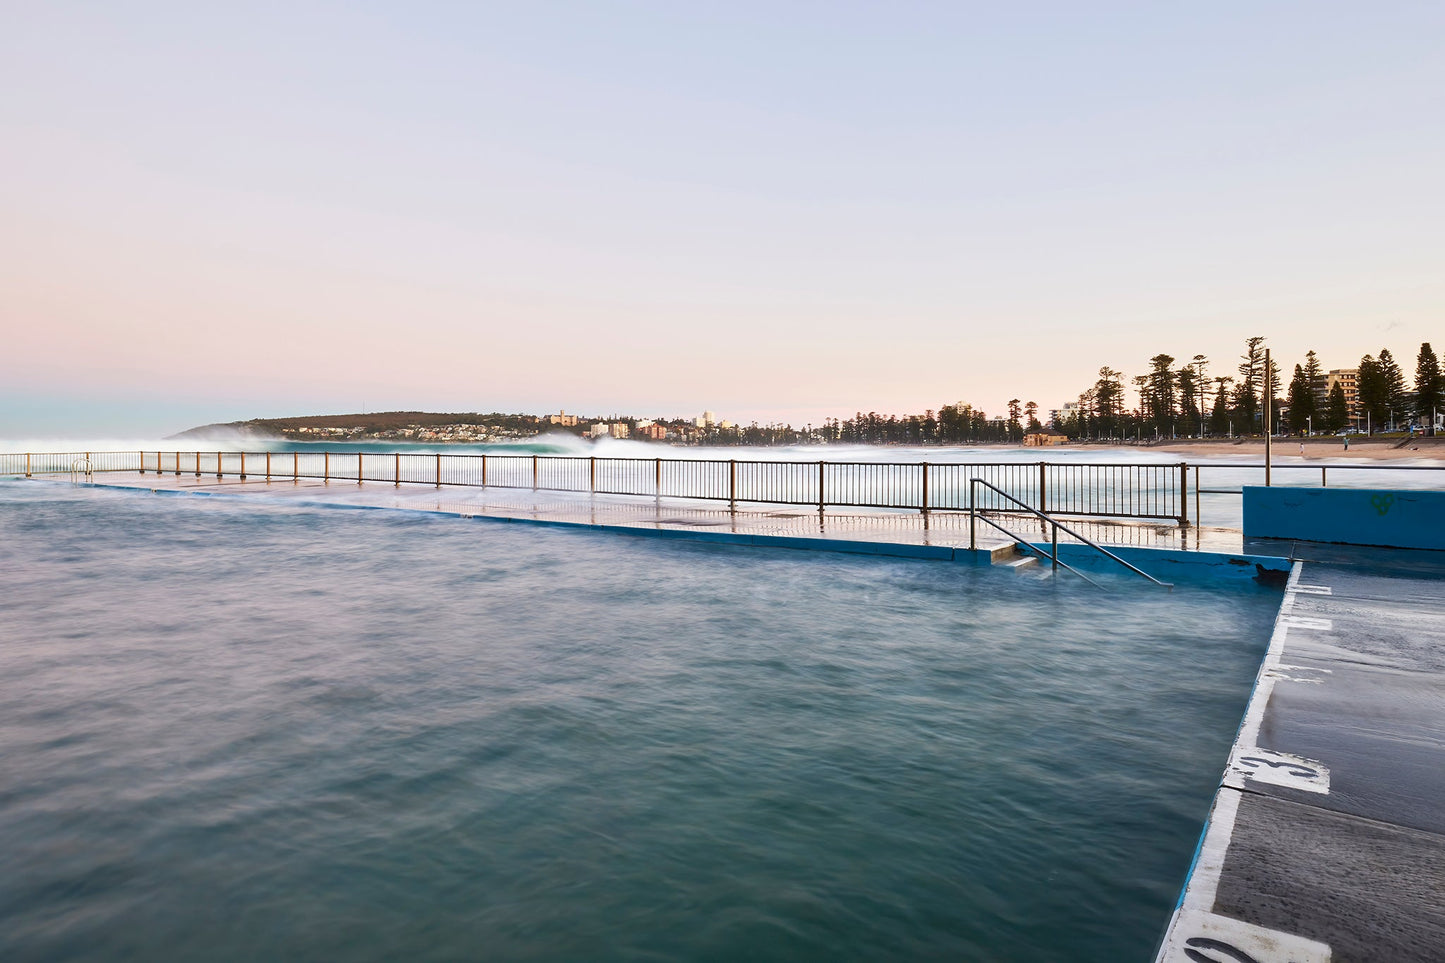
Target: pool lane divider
[1209,565]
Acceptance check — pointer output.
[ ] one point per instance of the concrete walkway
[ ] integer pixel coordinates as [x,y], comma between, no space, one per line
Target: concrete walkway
[1326,841]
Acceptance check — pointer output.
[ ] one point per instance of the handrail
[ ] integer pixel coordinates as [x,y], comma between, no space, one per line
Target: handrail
[973,515]
[1057,562]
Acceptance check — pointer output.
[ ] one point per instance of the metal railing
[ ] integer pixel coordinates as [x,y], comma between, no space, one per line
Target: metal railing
[1286,474]
[976,515]
[1064,489]
[1074,490]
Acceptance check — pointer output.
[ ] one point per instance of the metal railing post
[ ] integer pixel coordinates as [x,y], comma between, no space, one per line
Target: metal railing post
[439,470]
[398,469]
[972,517]
[178,464]
[27,464]
[358,468]
[924,509]
[732,485]
[1198,512]
[1323,483]
[243,466]
[534,473]
[484,471]
[295,466]
[219,473]
[326,467]
[657,481]
[1184,494]
[268,468]
[822,501]
[1268,418]
[198,464]
[592,474]
[1043,482]
[142,463]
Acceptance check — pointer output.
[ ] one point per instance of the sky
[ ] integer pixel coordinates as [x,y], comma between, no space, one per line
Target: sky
[774,211]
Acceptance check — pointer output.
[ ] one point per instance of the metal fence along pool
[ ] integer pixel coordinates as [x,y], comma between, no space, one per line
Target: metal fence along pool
[1071,489]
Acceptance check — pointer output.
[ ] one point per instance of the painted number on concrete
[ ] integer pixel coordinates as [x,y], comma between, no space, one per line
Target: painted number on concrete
[1207,938]
[1280,769]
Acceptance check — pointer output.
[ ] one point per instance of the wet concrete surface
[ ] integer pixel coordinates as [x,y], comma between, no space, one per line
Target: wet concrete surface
[1369,890]
[1329,828]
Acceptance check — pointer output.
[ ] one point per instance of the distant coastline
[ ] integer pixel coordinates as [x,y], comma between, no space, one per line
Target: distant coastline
[463,428]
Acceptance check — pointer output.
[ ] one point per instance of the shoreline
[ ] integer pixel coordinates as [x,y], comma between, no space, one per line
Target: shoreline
[1309,449]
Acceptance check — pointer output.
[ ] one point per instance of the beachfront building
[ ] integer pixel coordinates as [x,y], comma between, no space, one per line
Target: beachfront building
[1349,380]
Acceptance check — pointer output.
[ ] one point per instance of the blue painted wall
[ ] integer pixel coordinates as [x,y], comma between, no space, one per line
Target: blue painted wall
[1354,516]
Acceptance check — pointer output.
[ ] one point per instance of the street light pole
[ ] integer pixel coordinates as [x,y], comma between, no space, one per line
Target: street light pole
[1268,421]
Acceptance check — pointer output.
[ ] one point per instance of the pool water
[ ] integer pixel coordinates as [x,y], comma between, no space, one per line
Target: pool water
[241,731]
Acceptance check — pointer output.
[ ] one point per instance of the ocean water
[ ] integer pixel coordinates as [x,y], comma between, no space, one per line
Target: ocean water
[241,731]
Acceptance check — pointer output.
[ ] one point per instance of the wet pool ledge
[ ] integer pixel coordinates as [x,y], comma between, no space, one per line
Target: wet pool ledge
[876,534]
[1326,840]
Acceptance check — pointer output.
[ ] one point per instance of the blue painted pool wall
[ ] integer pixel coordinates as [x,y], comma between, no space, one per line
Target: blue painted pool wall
[1352,516]
[1166,564]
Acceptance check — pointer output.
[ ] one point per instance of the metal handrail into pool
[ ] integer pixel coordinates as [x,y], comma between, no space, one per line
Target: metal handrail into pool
[1057,526]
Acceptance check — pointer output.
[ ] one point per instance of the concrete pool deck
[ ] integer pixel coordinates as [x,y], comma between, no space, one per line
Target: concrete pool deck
[1326,841]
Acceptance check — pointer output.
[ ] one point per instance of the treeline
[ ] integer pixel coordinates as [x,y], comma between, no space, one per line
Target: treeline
[1187,400]
[1173,400]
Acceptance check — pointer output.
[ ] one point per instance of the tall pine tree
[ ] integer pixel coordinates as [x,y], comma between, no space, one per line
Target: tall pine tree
[1301,401]
[1429,386]
[1373,396]
[1397,396]
[1337,409]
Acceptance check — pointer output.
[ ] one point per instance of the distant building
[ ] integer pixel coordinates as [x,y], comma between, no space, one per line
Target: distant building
[563,419]
[652,430]
[620,429]
[1349,380]
[598,429]
[1042,439]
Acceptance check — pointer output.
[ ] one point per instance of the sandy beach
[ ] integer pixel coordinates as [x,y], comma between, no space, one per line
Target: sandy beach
[1321,449]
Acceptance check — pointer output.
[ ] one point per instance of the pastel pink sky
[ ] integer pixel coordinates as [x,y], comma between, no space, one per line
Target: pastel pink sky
[774,215]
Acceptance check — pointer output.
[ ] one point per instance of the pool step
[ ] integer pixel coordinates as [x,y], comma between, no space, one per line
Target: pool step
[1013,558]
